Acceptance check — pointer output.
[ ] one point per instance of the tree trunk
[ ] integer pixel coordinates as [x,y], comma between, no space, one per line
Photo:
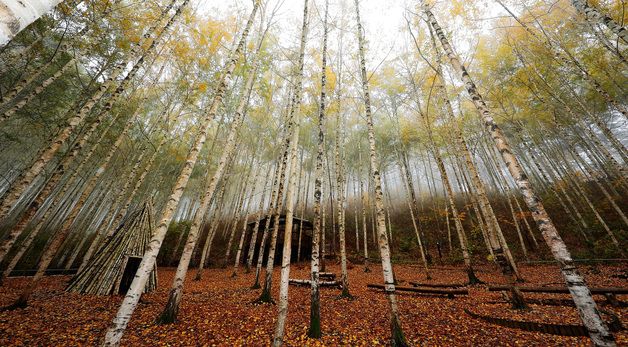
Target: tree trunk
[598,331]
[258,217]
[169,314]
[314,330]
[397,337]
[290,192]
[236,217]
[355,217]
[265,296]
[303,208]
[36,91]
[363,203]
[457,222]
[341,184]
[120,322]
[272,205]
[414,221]
[592,14]
[282,313]
[246,219]
[211,232]
[322,244]
[494,237]
[15,16]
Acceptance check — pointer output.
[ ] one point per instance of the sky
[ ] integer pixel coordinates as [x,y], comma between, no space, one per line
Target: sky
[383,20]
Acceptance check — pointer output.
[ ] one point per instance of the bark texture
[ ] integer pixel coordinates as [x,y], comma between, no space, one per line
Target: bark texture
[591,13]
[282,307]
[120,322]
[397,337]
[17,15]
[598,331]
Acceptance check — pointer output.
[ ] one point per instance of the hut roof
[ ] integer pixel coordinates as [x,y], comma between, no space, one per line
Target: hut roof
[103,273]
[282,221]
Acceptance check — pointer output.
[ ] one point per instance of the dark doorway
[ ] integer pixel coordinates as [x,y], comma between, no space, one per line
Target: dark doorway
[306,239]
[132,264]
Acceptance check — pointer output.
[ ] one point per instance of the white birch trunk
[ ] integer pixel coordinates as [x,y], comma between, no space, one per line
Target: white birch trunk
[38,90]
[265,296]
[16,15]
[244,212]
[594,15]
[120,322]
[282,306]
[598,331]
[258,218]
[236,216]
[272,205]
[218,206]
[295,110]
[314,330]
[169,314]
[341,183]
[397,338]
[306,197]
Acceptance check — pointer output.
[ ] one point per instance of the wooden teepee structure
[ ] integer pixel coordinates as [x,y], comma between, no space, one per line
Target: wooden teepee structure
[113,266]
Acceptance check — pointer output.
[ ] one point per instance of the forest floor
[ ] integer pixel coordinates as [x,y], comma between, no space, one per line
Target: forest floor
[218,311]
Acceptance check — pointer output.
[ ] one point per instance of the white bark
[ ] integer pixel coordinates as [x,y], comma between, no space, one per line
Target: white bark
[36,91]
[295,111]
[15,15]
[244,213]
[314,330]
[120,322]
[592,14]
[258,218]
[282,306]
[397,338]
[598,331]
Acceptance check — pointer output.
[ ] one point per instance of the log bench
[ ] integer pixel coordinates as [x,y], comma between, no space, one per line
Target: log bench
[308,283]
[614,324]
[608,292]
[451,293]
[327,275]
[436,285]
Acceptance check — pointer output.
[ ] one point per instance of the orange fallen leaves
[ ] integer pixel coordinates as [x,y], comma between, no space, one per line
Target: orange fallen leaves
[217,312]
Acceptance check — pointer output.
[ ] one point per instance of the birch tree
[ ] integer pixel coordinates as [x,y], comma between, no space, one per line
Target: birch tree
[397,337]
[587,309]
[341,187]
[314,330]
[120,322]
[295,110]
[591,13]
[258,217]
[16,15]
[172,306]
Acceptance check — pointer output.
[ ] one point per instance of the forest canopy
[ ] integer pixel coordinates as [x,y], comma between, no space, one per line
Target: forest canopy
[485,135]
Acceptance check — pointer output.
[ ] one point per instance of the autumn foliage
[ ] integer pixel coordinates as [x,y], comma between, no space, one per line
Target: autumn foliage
[218,311]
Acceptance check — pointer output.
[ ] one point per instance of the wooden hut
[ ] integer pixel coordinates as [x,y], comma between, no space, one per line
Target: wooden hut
[113,266]
[306,239]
